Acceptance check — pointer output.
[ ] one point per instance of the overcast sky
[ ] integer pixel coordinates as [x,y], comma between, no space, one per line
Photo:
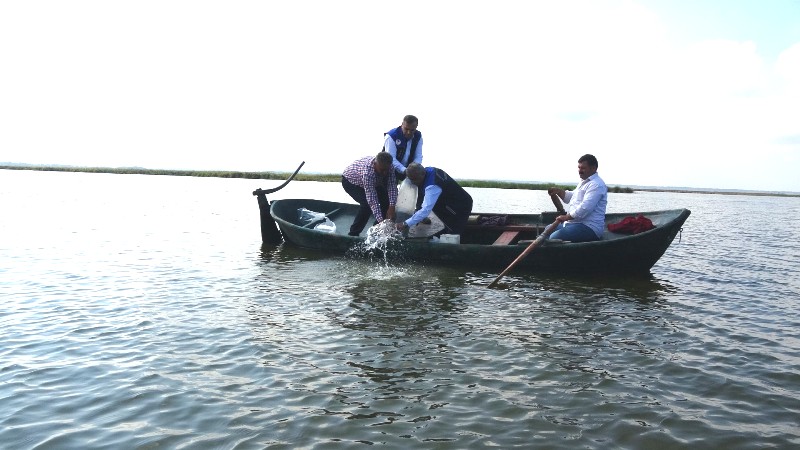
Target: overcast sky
[701,93]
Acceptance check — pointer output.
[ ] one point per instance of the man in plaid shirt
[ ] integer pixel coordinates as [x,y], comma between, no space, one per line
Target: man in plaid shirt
[373,185]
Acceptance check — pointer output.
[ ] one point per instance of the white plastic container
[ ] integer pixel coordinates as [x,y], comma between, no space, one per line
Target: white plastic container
[406,200]
[450,238]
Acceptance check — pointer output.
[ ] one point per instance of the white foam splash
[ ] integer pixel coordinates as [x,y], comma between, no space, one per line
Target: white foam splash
[379,235]
[378,240]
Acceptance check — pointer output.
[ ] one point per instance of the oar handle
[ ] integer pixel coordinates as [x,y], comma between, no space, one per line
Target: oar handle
[556,201]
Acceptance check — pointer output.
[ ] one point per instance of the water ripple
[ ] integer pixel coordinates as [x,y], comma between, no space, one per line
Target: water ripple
[188,333]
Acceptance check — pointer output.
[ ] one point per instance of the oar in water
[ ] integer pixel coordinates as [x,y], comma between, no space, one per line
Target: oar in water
[542,237]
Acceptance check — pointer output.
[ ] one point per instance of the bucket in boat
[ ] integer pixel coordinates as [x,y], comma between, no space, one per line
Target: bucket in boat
[450,239]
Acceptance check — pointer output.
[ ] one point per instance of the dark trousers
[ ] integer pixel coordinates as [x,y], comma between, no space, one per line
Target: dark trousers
[364,211]
[454,216]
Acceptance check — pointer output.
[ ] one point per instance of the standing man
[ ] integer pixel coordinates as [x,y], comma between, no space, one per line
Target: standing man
[372,184]
[585,217]
[440,193]
[404,143]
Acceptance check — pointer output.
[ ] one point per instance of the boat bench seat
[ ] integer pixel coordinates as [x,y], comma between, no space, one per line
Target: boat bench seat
[504,227]
[506,238]
[508,232]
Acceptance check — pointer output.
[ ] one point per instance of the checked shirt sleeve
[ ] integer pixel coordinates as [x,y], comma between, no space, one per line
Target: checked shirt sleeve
[368,178]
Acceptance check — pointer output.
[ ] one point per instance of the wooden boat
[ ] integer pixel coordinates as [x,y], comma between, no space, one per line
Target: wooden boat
[494,246]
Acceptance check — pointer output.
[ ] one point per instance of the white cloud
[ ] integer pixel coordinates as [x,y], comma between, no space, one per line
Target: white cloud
[513,90]
[722,67]
[787,67]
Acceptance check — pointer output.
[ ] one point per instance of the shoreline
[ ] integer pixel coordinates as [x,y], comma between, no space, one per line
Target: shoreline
[337,177]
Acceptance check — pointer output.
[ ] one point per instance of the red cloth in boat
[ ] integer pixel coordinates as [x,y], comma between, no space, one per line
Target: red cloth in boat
[632,225]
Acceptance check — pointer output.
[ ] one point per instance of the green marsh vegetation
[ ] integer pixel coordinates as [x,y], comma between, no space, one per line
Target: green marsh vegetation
[282,176]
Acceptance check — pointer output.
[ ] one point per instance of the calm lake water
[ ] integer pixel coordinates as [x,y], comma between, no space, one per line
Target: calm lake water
[142,312]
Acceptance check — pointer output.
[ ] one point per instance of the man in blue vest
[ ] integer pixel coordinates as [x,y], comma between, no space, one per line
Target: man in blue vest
[440,193]
[404,143]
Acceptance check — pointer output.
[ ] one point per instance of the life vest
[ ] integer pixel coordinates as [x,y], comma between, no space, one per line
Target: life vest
[452,196]
[401,142]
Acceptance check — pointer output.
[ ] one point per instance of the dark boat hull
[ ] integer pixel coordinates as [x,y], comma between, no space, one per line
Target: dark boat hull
[616,253]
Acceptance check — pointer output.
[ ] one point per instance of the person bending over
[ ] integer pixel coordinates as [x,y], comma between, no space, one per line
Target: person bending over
[440,193]
[371,182]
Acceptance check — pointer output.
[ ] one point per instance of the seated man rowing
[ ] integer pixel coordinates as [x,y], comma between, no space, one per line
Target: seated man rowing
[584,219]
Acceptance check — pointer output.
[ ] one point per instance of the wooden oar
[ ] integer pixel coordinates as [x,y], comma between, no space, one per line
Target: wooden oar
[556,201]
[542,237]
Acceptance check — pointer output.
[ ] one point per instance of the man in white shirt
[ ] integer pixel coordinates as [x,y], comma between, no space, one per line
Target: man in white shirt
[585,216]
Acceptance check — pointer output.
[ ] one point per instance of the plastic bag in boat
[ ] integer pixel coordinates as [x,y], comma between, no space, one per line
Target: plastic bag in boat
[327,226]
[305,216]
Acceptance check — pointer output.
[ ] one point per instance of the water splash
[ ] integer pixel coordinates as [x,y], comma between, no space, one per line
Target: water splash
[379,235]
[379,240]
